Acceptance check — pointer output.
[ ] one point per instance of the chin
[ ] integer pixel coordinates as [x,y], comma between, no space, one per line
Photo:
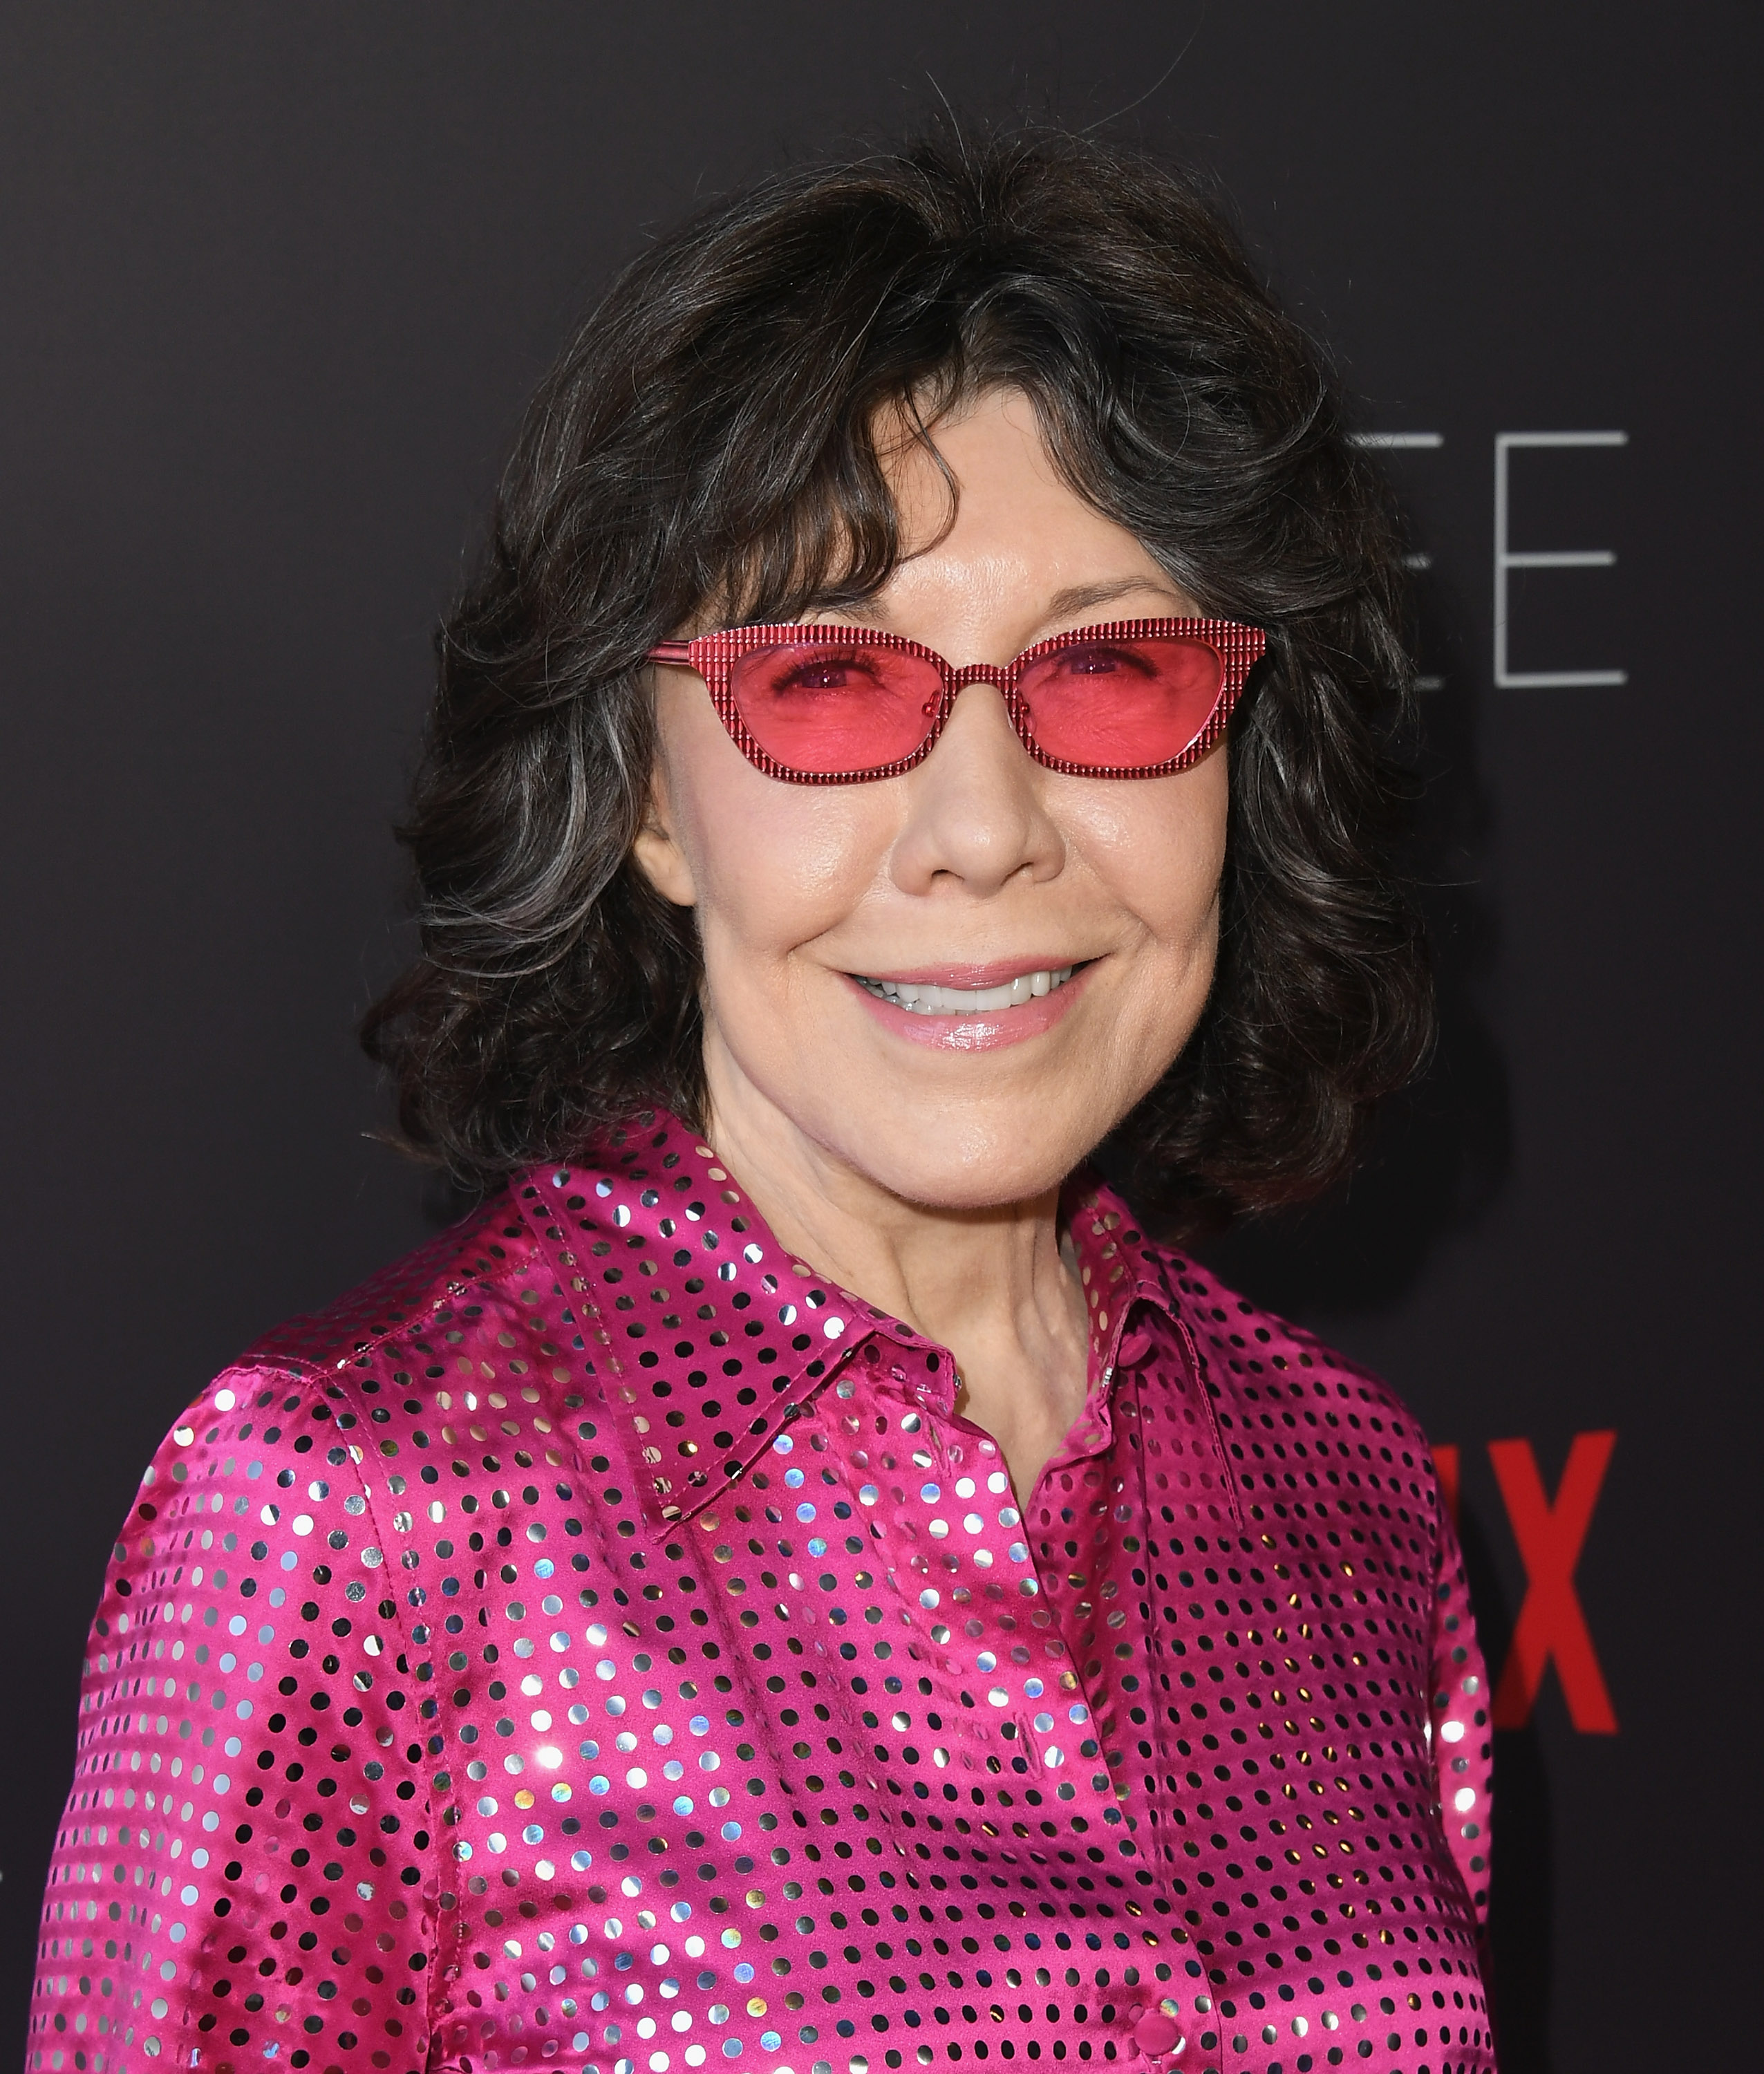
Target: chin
[942,1165]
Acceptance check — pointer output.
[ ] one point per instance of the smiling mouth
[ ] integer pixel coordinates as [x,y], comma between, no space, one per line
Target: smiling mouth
[966,1000]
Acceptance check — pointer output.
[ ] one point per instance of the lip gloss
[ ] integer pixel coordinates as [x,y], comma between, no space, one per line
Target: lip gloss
[972,1030]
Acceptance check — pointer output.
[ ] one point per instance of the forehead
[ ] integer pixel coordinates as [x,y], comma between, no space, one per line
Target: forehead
[985,514]
[982,473]
[979,507]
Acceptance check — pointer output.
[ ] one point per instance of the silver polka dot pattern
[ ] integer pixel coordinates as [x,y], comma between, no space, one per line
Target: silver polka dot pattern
[600,1643]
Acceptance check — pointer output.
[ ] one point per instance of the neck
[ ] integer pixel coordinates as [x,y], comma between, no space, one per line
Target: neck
[992,1284]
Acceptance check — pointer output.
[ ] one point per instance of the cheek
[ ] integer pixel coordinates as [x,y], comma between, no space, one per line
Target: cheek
[1158,845]
[775,866]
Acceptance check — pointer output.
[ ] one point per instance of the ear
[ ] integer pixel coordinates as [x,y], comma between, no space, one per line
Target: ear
[657,850]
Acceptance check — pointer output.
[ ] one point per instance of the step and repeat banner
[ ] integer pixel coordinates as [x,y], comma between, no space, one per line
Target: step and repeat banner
[277,283]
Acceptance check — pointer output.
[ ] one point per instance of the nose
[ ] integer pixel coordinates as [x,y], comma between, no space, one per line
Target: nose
[976,811]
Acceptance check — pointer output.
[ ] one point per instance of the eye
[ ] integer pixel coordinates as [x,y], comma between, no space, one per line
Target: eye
[796,673]
[827,675]
[812,669]
[1101,662]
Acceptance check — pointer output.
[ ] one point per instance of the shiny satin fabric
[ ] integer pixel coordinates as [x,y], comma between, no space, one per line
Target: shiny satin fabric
[600,1643]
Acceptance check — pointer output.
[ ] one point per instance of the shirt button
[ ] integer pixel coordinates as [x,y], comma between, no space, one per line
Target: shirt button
[1158,2034]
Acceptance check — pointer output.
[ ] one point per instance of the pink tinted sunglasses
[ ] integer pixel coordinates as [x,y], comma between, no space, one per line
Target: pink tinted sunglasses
[836,705]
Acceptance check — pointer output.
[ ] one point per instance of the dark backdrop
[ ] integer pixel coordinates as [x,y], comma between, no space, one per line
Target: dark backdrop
[273,283]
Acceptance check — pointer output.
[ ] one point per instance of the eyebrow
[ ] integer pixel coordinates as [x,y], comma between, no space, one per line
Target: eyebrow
[1076,597]
[1079,597]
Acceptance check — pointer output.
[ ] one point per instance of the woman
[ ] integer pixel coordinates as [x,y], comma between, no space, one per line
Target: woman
[800,1578]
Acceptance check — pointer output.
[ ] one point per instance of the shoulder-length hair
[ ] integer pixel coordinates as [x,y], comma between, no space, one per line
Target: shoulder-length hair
[704,451]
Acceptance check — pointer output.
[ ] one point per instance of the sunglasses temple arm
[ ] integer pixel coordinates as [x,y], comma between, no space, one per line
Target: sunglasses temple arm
[670,651]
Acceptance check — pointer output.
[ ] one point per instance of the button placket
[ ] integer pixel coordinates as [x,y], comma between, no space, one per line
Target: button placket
[978,1580]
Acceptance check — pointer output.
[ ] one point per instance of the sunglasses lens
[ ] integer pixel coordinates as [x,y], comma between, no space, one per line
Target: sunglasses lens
[1121,705]
[836,707]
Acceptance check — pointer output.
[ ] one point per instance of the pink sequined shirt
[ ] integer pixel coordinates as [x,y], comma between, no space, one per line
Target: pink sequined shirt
[599,1642]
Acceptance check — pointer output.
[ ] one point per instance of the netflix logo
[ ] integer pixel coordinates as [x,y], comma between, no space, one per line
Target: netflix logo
[1549,1534]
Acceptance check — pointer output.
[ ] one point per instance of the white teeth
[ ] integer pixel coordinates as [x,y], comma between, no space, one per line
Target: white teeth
[966,1000]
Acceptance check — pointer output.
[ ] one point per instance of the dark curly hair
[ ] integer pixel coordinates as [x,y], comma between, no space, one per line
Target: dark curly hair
[703,452]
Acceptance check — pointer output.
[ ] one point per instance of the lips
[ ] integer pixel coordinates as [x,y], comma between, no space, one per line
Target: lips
[1002,1005]
[928,998]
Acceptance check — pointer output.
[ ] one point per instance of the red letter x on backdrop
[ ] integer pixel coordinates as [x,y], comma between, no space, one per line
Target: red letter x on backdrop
[1551,1622]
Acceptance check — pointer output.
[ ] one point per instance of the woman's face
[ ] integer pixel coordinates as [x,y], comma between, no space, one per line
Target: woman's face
[975,869]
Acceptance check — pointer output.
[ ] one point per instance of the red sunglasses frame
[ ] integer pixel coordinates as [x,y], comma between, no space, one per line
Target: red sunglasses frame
[714,655]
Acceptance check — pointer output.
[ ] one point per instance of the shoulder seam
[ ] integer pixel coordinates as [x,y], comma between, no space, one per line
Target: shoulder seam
[310,1365]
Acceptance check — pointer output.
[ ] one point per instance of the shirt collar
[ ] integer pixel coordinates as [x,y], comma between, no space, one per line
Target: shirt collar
[708,1339]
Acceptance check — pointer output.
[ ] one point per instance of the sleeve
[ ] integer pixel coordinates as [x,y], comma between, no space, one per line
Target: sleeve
[243,1871]
[1458,1706]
